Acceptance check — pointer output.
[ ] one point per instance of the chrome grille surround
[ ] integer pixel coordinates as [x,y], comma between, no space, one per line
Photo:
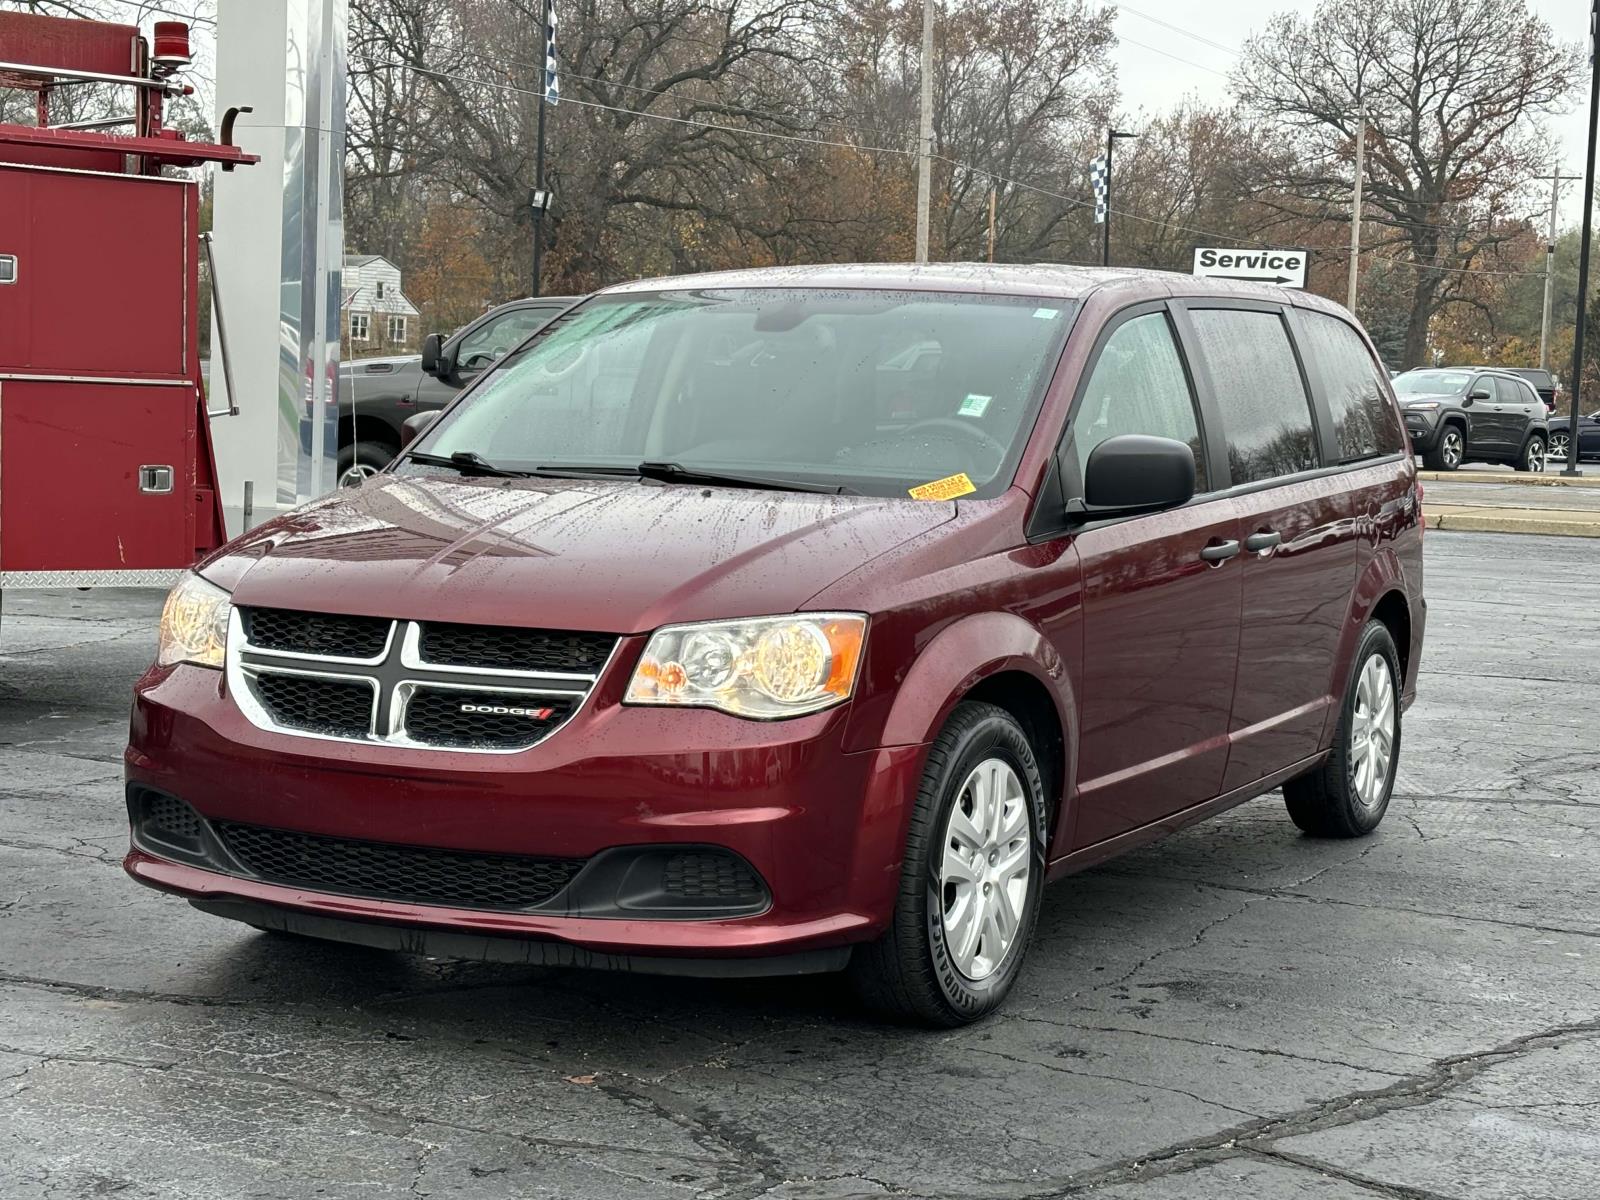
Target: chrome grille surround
[394,676]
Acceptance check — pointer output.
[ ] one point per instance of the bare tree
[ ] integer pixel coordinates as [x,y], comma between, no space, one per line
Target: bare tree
[1452,91]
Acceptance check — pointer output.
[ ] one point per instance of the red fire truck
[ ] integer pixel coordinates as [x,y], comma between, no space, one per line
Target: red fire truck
[106,469]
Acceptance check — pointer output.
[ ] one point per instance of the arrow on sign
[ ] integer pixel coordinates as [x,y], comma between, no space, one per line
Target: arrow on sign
[1254,278]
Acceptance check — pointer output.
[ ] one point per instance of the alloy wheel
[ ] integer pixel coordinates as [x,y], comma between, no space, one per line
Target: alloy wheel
[356,474]
[1558,445]
[984,869]
[1372,731]
[1535,456]
[1450,448]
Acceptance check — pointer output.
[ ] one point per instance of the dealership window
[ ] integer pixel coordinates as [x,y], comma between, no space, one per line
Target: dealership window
[1365,424]
[358,327]
[397,329]
[1265,409]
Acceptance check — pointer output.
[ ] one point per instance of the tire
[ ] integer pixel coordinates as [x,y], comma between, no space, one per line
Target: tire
[921,970]
[1559,443]
[1451,451]
[1533,455]
[360,461]
[1337,799]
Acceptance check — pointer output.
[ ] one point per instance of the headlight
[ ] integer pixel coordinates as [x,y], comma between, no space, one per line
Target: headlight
[1423,406]
[764,667]
[194,624]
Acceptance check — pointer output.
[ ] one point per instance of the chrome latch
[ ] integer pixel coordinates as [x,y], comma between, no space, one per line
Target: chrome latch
[155,480]
[8,268]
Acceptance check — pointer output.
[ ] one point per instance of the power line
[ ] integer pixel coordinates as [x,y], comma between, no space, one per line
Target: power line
[1188,33]
[1122,37]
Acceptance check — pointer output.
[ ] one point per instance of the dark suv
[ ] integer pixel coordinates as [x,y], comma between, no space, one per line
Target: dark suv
[802,620]
[379,394]
[1473,414]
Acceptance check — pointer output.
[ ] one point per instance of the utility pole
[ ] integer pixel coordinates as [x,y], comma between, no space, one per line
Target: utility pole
[539,199]
[1355,203]
[1550,266]
[1105,230]
[994,191]
[925,137]
[1583,252]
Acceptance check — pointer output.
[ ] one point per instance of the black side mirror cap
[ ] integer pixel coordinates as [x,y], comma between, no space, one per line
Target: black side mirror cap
[433,356]
[1135,473]
[415,426]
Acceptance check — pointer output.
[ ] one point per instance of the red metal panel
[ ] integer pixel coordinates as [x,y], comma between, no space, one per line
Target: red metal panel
[25,143]
[105,271]
[70,455]
[68,44]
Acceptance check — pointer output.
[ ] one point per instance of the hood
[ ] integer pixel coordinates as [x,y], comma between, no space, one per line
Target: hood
[614,557]
[1407,401]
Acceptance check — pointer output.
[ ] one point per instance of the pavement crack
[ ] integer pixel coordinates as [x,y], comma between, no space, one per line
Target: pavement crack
[1378,1187]
[1134,1083]
[1260,1137]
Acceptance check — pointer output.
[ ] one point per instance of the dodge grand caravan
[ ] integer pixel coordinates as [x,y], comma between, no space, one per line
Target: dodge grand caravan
[801,620]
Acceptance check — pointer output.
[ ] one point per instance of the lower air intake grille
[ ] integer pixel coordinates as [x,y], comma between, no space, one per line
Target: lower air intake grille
[334,707]
[482,720]
[169,816]
[708,874]
[409,874]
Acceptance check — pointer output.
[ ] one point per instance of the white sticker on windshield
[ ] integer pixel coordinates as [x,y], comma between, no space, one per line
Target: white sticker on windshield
[1047,314]
[974,405]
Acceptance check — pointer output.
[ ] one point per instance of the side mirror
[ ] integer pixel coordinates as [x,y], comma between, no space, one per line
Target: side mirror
[415,425]
[1477,393]
[435,361]
[1135,473]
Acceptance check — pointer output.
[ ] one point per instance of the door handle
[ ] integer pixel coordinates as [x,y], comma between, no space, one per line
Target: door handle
[1220,552]
[1265,540]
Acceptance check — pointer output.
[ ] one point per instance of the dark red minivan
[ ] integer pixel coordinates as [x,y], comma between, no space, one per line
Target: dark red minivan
[798,620]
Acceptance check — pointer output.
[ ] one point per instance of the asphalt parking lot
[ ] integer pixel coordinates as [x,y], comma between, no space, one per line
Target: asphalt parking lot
[1238,1011]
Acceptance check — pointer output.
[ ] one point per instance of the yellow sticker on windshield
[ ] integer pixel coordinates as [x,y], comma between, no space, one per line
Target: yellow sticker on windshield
[947,488]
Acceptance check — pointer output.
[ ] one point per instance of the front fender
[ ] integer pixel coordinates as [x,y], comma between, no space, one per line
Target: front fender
[962,655]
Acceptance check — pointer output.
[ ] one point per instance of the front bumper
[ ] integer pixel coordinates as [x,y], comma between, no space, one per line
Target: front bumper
[823,828]
[1424,430]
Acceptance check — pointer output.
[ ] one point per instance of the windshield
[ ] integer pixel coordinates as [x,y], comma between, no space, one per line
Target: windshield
[1431,383]
[875,392]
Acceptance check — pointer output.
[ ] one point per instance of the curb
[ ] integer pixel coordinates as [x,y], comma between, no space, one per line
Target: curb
[1554,522]
[1526,478]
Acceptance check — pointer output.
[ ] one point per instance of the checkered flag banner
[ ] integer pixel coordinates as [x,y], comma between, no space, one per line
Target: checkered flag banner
[552,81]
[1097,181]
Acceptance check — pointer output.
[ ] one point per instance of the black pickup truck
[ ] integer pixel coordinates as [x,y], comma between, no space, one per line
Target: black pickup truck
[386,391]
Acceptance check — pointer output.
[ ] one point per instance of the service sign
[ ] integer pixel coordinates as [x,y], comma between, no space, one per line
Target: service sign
[1286,268]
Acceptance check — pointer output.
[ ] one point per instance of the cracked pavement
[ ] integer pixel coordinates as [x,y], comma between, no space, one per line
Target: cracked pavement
[1236,1011]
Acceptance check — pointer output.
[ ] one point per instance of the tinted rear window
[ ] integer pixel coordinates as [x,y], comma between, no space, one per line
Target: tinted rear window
[1365,423]
[1265,410]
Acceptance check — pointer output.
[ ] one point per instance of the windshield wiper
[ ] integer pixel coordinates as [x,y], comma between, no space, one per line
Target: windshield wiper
[468,462]
[671,472]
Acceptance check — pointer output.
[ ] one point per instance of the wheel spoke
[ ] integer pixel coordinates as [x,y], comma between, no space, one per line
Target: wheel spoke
[957,866]
[963,922]
[1013,862]
[1007,918]
[962,829]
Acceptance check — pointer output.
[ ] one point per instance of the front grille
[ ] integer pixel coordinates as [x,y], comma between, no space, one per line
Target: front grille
[709,874]
[502,648]
[376,680]
[325,634]
[331,707]
[435,716]
[408,874]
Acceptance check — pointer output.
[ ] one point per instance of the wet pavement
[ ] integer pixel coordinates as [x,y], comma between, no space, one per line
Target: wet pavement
[1237,1011]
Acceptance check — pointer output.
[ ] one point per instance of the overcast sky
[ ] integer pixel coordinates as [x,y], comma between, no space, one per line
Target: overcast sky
[1158,65]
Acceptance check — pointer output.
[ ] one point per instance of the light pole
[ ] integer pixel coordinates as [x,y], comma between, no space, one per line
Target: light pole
[925,135]
[1583,251]
[1105,232]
